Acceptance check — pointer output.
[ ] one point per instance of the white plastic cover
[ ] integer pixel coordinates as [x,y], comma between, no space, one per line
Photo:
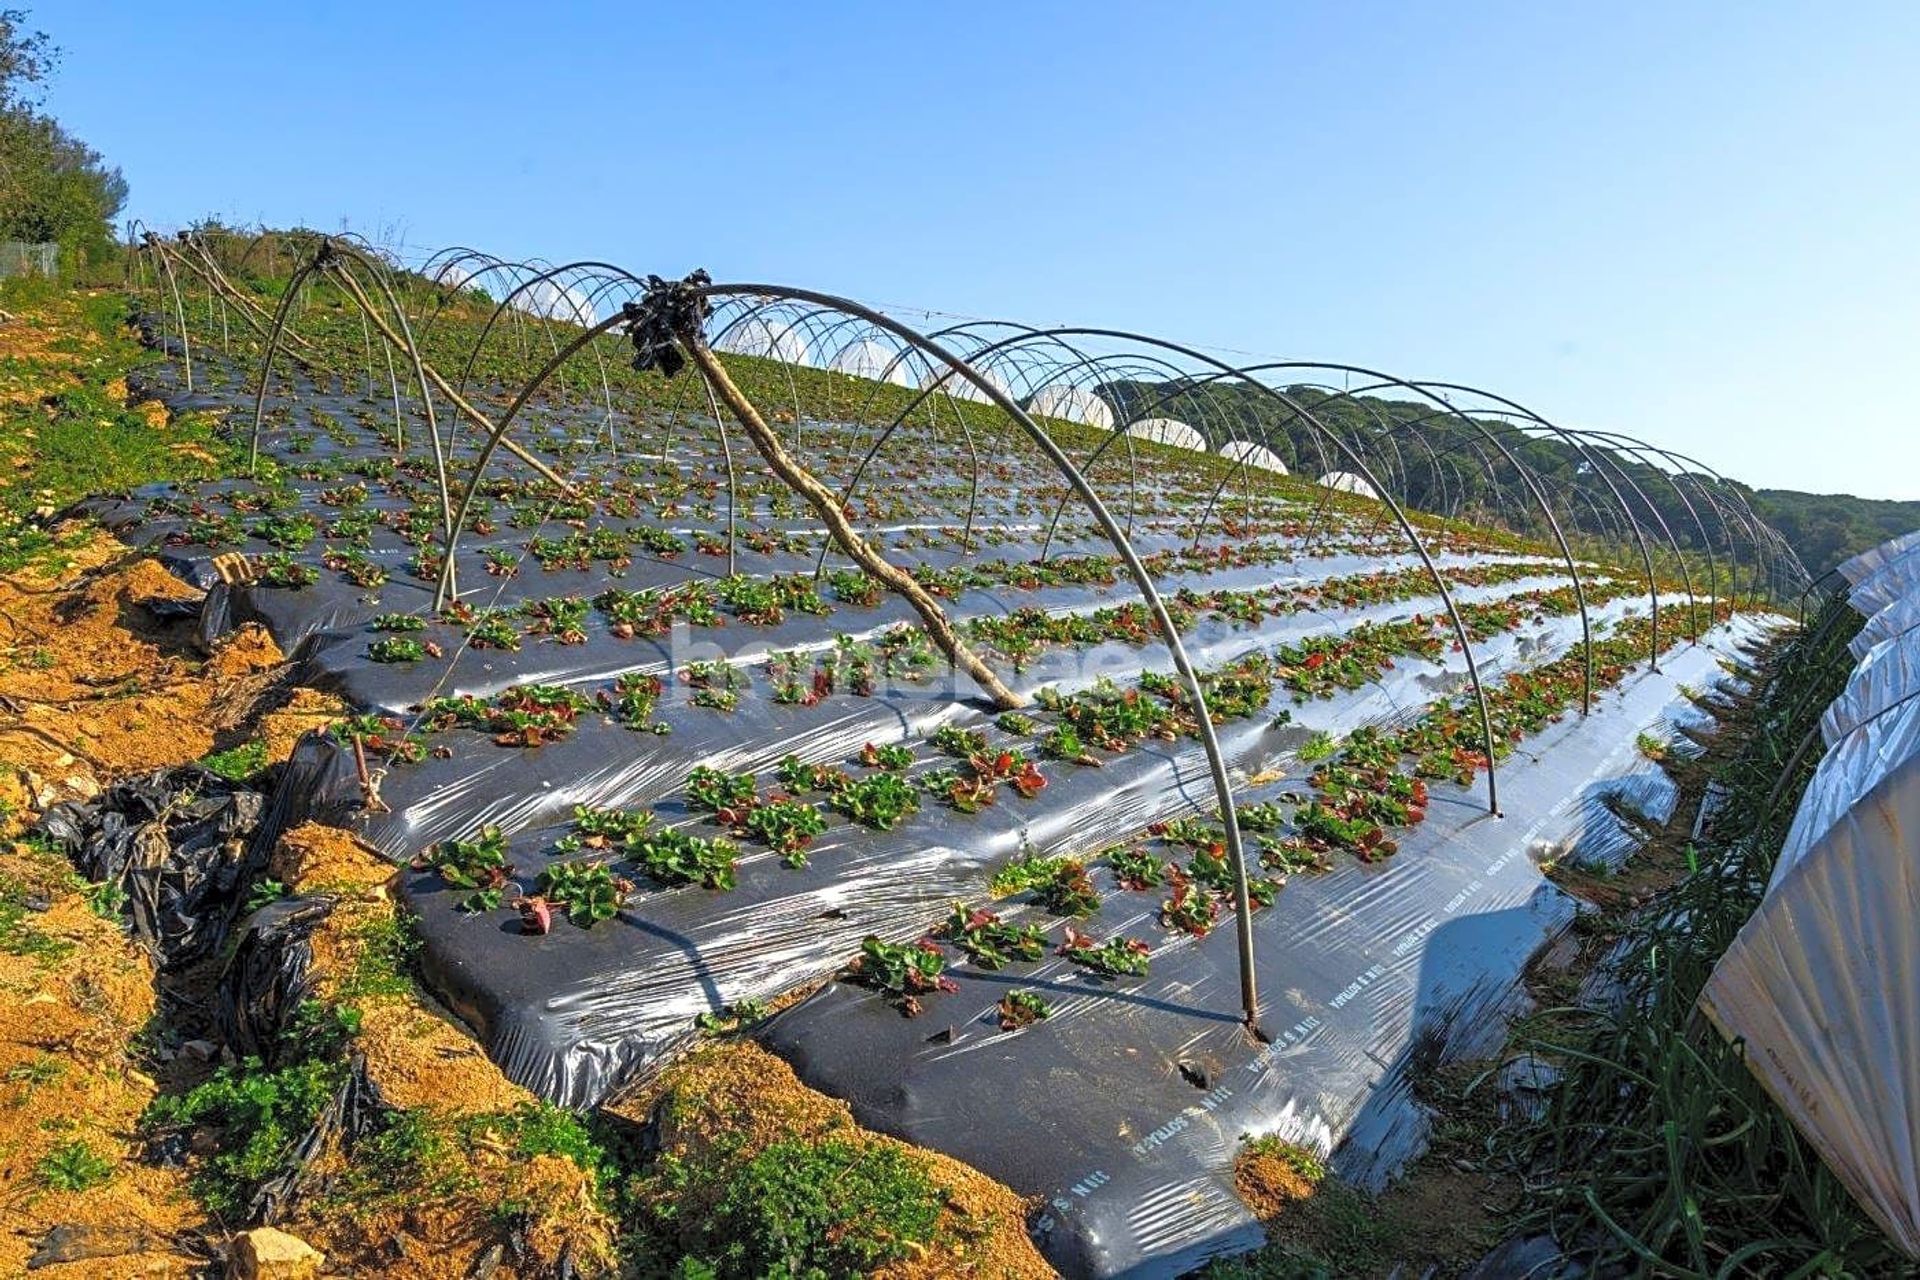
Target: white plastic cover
[554,301]
[756,335]
[1823,983]
[1897,619]
[964,388]
[865,358]
[1071,404]
[1347,482]
[1168,431]
[1254,455]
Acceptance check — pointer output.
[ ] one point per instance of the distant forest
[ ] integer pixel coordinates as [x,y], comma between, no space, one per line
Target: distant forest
[1826,528]
[1439,463]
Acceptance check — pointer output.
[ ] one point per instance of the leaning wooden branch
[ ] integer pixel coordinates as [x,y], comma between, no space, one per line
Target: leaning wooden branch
[827,506]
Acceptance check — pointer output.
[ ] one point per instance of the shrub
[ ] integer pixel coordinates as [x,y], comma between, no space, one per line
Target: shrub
[831,1208]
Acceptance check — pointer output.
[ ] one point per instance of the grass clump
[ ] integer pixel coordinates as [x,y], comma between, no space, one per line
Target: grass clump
[73,1166]
[237,764]
[797,1208]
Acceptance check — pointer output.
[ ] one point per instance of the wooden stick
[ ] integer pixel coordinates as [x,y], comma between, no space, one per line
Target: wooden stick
[827,506]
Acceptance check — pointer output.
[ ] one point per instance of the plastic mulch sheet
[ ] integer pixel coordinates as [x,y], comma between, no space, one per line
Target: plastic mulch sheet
[1125,1108]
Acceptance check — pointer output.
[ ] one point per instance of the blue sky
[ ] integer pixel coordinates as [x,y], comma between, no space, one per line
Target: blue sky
[1692,222]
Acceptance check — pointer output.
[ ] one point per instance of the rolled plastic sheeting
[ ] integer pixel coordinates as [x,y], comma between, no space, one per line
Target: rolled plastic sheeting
[1347,482]
[1823,982]
[1168,431]
[1254,455]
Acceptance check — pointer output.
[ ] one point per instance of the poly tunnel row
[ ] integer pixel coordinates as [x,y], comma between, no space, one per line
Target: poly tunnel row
[731,666]
[1823,982]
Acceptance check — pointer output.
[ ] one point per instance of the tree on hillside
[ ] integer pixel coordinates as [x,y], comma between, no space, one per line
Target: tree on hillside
[53,186]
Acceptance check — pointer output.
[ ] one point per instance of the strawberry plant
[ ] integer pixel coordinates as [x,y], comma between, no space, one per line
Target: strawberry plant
[894,757]
[901,972]
[494,631]
[799,777]
[714,684]
[955,741]
[988,941]
[671,856]
[401,649]
[562,617]
[478,865]
[1069,891]
[381,736]
[587,890]
[855,587]
[715,791]
[521,716]
[1117,957]
[633,699]
[1292,854]
[1022,1009]
[1135,868]
[787,827]
[353,565]
[396,622]
[1188,908]
[288,533]
[282,570]
[603,830]
[878,801]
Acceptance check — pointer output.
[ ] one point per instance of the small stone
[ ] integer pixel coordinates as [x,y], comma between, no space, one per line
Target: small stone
[265,1253]
[203,1050]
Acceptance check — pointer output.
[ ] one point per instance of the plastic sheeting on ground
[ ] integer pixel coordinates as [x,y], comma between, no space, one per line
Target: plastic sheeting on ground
[1823,983]
[1126,1107]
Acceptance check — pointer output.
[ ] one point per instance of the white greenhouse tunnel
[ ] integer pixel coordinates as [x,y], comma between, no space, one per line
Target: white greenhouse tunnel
[1071,404]
[552,301]
[451,275]
[757,335]
[964,388]
[1168,431]
[866,358]
[1348,482]
[1253,455]
[1823,981]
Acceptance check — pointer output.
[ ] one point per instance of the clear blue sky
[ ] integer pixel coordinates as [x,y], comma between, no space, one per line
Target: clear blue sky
[1695,222]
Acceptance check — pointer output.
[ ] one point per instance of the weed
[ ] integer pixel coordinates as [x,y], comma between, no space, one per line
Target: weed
[828,1208]
[73,1166]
